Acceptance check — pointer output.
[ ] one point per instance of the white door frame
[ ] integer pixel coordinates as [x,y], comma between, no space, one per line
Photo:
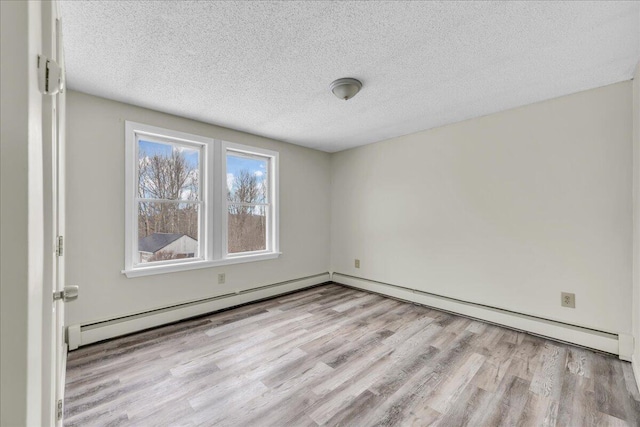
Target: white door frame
[53,124]
[60,348]
[37,380]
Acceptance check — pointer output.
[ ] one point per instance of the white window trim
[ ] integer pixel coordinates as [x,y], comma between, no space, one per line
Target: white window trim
[213,219]
[274,217]
[196,265]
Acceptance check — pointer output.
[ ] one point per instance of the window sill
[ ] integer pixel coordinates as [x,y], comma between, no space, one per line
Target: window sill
[195,265]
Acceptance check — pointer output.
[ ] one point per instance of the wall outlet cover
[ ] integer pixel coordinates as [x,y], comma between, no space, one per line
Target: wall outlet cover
[221,278]
[568,300]
[357,263]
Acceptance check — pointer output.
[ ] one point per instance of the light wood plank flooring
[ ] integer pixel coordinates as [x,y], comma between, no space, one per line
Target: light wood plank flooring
[332,355]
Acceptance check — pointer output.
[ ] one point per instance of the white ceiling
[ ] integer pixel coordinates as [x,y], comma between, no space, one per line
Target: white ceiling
[265,67]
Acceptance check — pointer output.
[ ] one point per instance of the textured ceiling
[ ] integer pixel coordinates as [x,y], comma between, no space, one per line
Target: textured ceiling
[265,67]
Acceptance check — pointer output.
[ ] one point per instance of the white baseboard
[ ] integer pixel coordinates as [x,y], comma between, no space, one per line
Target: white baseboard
[635,365]
[626,344]
[61,384]
[79,335]
[559,331]
[73,336]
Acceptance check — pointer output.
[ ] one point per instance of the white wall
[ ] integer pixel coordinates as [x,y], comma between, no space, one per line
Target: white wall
[636,223]
[95,216]
[21,210]
[505,210]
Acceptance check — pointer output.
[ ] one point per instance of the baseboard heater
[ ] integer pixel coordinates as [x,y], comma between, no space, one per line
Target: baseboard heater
[621,345]
[80,335]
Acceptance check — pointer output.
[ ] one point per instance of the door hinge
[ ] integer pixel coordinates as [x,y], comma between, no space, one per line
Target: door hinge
[59,410]
[60,246]
[49,76]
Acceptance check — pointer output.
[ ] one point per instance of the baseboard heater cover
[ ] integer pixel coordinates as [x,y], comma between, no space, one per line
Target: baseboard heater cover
[598,340]
[94,332]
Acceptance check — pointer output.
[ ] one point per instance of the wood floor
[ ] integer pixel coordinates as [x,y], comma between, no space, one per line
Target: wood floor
[334,356]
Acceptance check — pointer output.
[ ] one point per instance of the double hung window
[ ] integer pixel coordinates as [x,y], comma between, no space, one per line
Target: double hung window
[248,201]
[196,202]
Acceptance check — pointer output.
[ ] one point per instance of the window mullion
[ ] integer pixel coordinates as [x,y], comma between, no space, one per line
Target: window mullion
[218,195]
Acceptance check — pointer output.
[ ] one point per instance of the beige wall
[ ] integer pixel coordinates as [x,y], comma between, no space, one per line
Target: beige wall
[505,210]
[95,216]
[13,211]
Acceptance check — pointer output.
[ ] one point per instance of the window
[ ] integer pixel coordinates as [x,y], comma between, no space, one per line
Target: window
[168,200]
[248,202]
[196,202]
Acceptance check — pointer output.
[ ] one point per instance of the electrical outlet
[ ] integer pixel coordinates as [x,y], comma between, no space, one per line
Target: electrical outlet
[221,278]
[568,300]
[357,263]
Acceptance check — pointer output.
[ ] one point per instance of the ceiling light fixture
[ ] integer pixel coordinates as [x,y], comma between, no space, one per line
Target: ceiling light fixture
[345,88]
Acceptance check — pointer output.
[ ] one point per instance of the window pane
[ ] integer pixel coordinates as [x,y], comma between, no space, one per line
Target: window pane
[167,171]
[247,228]
[167,231]
[247,179]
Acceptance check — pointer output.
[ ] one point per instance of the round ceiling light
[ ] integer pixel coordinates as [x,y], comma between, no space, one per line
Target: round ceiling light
[345,88]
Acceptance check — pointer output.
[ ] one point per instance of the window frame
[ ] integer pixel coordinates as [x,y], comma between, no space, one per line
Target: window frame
[202,202]
[273,222]
[212,221]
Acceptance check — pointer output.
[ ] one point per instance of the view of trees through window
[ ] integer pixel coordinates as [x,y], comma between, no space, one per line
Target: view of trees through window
[247,201]
[169,201]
